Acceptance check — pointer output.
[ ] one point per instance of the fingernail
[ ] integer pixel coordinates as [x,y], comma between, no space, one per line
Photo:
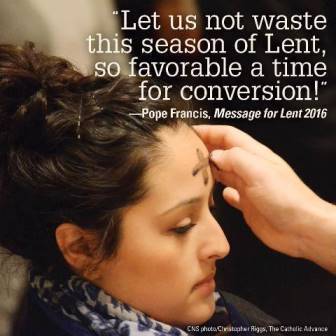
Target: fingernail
[213,157]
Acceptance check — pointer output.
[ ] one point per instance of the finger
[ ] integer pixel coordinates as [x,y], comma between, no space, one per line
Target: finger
[237,163]
[226,137]
[230,180]
[232,197]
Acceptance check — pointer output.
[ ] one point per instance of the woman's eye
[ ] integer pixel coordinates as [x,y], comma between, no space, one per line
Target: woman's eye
[183,229]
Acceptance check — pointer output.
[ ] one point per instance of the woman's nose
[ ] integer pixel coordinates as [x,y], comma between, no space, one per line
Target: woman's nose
[214,244]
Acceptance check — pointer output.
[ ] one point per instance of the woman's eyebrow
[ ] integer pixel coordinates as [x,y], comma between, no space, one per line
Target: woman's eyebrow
[182,204]
[186,202]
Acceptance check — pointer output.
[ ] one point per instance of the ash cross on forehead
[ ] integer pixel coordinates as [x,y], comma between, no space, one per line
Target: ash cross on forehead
[203,163]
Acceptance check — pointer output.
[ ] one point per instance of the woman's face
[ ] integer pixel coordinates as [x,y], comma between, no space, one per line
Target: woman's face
[170,241]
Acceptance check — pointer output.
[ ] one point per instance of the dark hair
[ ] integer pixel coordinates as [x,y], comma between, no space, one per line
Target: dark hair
[69,152]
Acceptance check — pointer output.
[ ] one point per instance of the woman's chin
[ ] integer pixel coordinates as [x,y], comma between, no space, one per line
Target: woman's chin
[198,314]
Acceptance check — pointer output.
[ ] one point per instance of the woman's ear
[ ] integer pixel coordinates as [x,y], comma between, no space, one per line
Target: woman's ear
[76,245]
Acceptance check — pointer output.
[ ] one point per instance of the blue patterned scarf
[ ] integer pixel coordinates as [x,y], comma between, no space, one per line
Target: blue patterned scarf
[91,307]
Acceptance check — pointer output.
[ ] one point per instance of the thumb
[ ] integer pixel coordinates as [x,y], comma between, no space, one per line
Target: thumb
[236,161]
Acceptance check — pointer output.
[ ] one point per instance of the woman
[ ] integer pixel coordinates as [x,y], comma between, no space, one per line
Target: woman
[112,211]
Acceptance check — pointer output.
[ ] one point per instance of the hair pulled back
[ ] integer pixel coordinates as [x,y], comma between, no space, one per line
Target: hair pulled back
[69,152]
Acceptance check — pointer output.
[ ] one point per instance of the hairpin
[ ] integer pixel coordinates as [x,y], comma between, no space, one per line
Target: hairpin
[79,118]
[96,103]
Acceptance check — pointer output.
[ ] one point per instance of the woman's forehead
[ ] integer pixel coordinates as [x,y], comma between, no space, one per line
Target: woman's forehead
[181,173]
[181,141]
[183,160]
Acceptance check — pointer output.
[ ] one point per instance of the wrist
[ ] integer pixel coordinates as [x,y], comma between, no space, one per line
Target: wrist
[318,241]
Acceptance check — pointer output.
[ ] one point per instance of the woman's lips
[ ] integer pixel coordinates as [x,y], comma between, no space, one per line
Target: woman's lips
[207,285]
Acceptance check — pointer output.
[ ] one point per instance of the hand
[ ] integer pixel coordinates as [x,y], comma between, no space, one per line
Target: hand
[278,207]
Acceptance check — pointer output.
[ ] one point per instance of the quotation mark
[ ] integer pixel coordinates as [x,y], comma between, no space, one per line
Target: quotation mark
[115,12]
